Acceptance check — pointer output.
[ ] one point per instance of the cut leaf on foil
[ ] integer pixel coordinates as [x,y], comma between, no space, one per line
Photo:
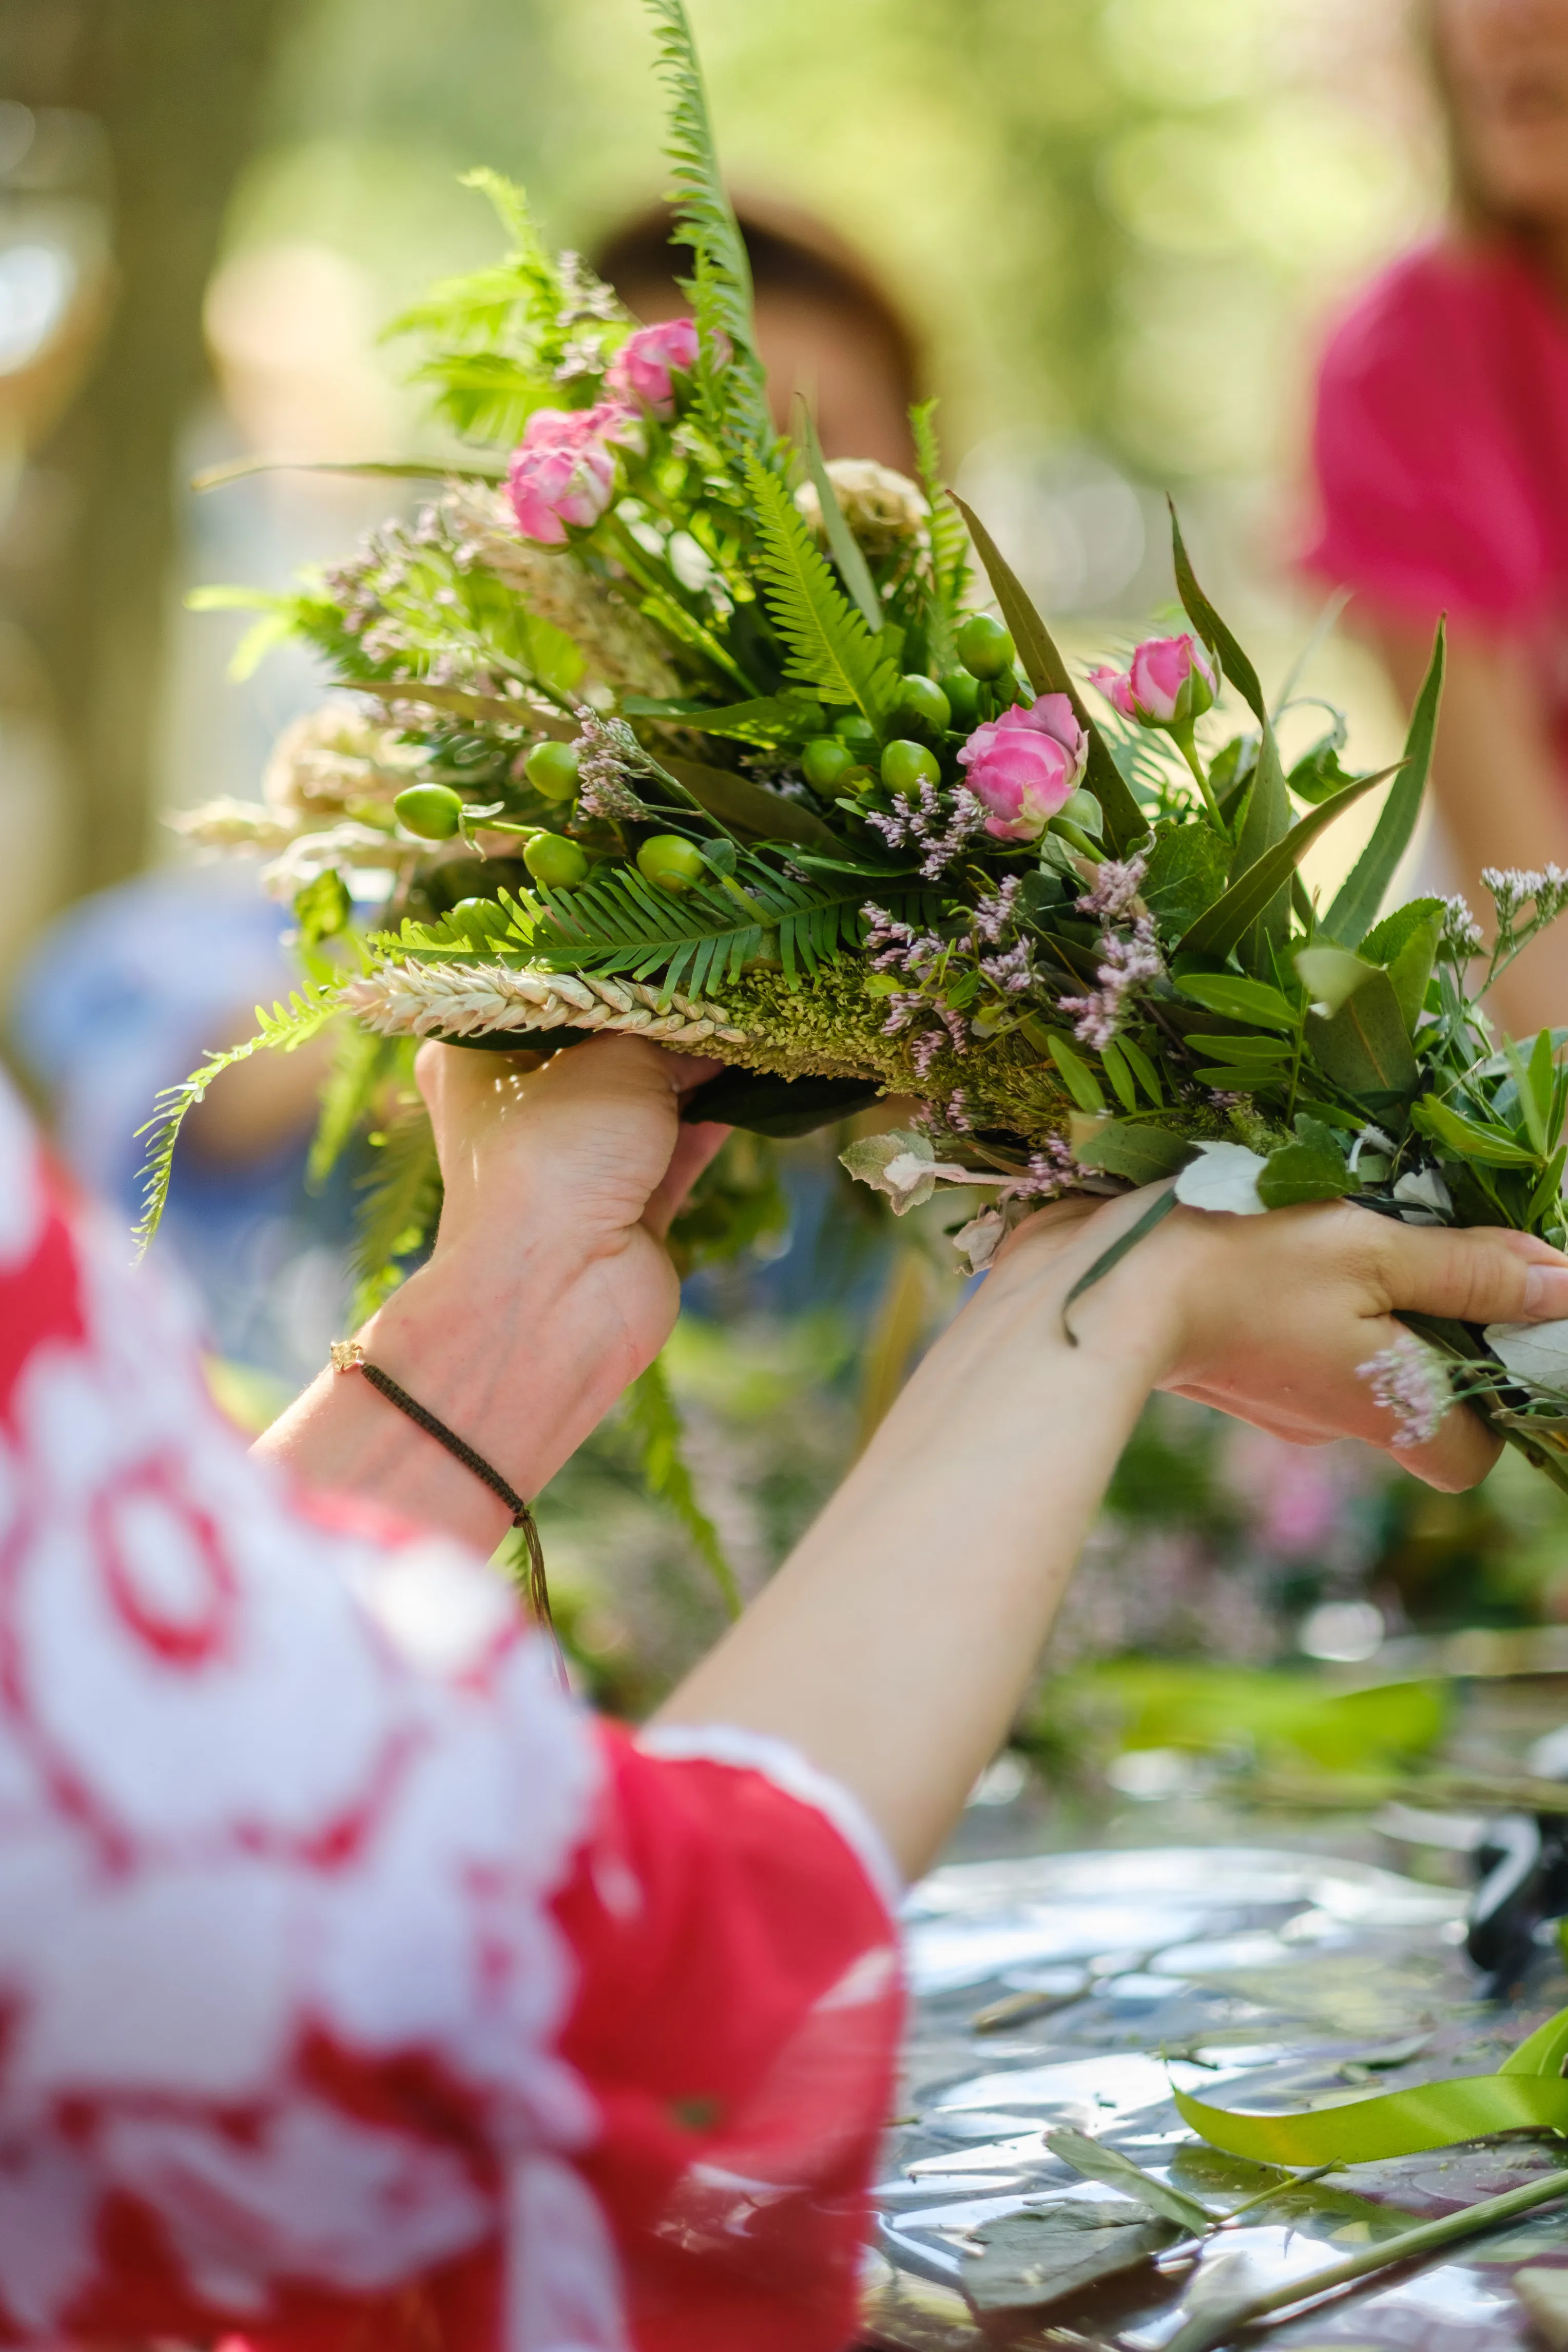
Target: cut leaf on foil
[1032,2259]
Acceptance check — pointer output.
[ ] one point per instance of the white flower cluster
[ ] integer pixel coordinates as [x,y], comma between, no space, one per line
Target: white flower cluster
[1513,888]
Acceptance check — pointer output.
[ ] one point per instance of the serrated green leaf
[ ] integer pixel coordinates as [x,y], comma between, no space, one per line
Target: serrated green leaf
[830,649]
[654,1420]
[1240,1000]
[949,542]
[1355,905]
[1218,931]
[1047,674]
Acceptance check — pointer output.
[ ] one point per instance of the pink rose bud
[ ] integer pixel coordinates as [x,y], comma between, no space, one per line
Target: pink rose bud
[1169,682]
[643,369]
[563,471]
[1024,767]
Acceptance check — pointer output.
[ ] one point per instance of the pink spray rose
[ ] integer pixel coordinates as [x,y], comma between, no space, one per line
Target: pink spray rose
[643,367]
[1024,767]
[1169,682]
[564,470]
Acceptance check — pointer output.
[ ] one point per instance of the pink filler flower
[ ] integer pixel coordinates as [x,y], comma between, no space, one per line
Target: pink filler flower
[1169,682]
[645,367]
[564,470]
[1024,767]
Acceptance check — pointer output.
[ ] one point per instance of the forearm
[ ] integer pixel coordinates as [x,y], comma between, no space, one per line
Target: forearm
[895,1644]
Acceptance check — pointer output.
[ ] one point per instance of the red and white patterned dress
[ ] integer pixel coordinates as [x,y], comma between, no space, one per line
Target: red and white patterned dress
[355,1987]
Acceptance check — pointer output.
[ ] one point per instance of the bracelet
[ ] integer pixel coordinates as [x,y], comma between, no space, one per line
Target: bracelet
[349,1355]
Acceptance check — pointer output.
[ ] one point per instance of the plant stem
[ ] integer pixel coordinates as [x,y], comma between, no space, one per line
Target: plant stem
[1188,749]
[1207,2332]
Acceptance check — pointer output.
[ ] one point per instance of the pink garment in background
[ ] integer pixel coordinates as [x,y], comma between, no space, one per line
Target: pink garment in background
[1441,452]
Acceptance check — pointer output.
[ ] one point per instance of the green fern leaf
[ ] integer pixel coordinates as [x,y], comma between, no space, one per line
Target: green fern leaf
[654,1420]
[949,543]
[830,649]
[278,1031]
[402,1202]
[362,1063]
[734,396]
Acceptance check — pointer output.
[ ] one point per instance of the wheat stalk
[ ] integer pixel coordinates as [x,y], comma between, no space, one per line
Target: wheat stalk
[478,1000]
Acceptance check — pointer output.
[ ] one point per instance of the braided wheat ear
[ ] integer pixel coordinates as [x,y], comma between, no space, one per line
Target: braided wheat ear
[478,1000]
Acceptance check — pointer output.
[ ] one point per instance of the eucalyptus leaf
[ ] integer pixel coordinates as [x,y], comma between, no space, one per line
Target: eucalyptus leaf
[1143,1154]
[1251,1001]
[1534,1352]
[1223,1178]
[1029,2259]
[1185,876]
[1467,1139]
[1303,1172]
[1218,931]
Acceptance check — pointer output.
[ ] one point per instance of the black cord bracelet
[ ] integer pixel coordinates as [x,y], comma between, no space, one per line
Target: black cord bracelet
[349,1355]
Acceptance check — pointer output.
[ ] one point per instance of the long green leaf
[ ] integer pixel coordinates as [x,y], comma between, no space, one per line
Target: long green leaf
[1047,674]
[949,543]
[1158,1208]
[1365,1046]
[401,1203]
[1354,909]
[1212,629]
[1217,932]
[748,806]
[853,569]
[831,648]
[654,1420]
[722,285]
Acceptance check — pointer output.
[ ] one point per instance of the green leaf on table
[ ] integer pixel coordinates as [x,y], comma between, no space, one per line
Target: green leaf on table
[1047,674]
[1365,1046]
[1354,908]
[1185,876]
[1252,1000]
[1468,1139]
[1305,1172]
[1218,931]
[1143,1154]
[1032,2259]
[1095,2161]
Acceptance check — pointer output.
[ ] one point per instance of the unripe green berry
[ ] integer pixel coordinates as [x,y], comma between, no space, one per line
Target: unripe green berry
[824,761]
[551,769]
[905,766]
[858,734]
[983,647]
[555,862]
[963,693]
[434,812]
[670,863]
[922,703]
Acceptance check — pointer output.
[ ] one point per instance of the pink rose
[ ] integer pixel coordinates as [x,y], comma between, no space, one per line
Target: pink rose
[644,368]
[1025,766]
[564,470]
[1169,682]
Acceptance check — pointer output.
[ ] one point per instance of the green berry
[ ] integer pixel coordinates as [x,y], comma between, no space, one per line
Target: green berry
[824,761]
[554,862]
[983,647]
[858,734]
[670,863]
[905,766]
[922,703]
[435,811]
[963,693]
[551,769]
[479,919]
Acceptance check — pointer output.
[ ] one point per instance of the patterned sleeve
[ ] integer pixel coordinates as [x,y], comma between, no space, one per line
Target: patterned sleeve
[348,1973]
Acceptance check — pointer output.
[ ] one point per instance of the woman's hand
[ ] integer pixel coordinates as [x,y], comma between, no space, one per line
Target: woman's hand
[549,1288]
[1271,1318]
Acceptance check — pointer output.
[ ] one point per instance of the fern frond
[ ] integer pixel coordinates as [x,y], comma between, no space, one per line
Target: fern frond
[620,923]
[654,1420]
[402,1202]
[361,1064]
[278,1031]
[720,287]
[949,542]
[830,649]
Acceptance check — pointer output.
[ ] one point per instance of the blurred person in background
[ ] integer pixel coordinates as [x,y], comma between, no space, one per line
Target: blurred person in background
[825,325]
[1441,456]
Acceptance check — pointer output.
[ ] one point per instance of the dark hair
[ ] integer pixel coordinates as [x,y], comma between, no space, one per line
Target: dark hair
[791,252]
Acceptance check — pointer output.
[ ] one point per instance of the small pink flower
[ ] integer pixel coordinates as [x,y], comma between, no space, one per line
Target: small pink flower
[1025,766]
[643,369]
[1169,682]
[564,470]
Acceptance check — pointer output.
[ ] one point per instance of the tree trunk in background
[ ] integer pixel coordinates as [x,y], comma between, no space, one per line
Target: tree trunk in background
[176,86]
